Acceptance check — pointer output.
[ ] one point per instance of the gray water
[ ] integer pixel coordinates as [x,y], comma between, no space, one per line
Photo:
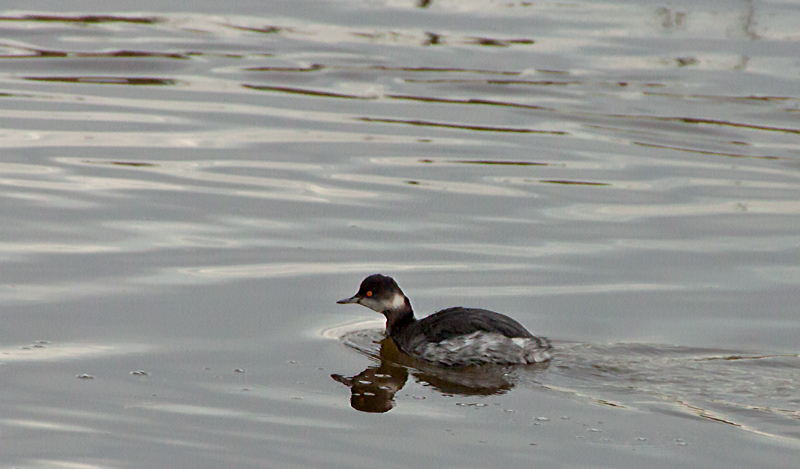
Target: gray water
[185,194]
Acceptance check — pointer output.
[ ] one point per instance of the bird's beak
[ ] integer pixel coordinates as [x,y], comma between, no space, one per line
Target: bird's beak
[348,301]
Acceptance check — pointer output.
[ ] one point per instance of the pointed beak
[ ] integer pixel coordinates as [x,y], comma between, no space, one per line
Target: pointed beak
[347,301]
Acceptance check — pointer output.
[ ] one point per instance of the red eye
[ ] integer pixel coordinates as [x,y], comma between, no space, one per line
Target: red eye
[369,293]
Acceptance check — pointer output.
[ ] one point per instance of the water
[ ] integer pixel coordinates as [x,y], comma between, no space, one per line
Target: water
[185,194]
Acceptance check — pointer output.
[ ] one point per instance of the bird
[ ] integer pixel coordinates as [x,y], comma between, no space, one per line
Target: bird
[452,337]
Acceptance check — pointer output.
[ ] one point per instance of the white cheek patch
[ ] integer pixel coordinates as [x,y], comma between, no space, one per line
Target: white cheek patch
[399,301]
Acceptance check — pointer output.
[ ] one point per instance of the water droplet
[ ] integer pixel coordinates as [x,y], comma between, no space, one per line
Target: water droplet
[139,373]
[238,370]
[85,376]
[543,419]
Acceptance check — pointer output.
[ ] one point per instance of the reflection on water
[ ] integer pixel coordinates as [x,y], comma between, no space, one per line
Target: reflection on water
[752,392]
[89,19]
[373,389]
[45,351]
[138,81]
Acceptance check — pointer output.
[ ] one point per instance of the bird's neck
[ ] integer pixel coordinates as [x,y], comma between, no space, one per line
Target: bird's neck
[399,316]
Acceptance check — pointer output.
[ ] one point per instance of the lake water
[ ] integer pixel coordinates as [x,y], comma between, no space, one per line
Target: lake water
[185,194]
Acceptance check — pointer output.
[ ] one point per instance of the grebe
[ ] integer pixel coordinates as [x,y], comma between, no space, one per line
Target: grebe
[452,337]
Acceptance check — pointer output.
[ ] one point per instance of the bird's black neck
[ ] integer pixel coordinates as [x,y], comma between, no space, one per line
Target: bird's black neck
[398,319]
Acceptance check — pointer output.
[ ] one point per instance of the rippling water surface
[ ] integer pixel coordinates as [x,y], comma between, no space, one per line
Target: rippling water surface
[185,194]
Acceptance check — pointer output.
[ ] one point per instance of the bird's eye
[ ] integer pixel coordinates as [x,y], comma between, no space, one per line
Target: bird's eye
[369,293]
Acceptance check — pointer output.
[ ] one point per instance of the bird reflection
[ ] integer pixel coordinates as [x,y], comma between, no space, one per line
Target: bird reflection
[373,389]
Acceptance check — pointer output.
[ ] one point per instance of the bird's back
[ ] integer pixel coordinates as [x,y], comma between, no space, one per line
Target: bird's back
[458,321]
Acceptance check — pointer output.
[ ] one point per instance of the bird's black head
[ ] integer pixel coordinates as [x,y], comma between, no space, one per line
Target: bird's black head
[379,293]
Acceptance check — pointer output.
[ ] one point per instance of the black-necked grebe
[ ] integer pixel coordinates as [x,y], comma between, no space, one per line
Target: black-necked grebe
[451,337]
